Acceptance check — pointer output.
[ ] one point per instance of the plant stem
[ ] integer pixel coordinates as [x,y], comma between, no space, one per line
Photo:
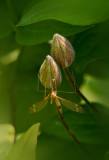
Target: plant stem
[71,133]
[70,79]
[67,128]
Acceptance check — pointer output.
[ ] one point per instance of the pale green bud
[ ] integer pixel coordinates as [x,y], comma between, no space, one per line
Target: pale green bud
[49,73]
[62,51]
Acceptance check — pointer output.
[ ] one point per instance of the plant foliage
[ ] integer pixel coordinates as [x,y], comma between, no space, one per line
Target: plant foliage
[26,28]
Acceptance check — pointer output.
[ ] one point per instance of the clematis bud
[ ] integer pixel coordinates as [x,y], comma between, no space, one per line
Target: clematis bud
[62,51]
[49,73]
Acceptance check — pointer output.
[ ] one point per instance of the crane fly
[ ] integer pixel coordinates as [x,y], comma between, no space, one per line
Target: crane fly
[58,100]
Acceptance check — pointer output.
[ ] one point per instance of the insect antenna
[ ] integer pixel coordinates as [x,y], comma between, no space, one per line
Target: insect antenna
[65,92]
[45,90]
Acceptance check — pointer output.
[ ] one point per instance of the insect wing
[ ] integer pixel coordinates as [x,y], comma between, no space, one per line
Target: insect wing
[72,106]
[39,105]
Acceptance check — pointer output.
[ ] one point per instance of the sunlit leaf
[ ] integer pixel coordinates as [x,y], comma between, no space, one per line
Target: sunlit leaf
[7,136]
[72,12]
[24,148]
[99,90]
[6,133]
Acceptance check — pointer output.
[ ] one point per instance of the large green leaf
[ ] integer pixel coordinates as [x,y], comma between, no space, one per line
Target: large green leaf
[44,30]
[91,46]
[58,148]
[24,148]
[74,12]
[98,68]
[87,127]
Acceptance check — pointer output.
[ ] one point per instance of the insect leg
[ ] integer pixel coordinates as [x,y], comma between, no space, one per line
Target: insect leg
[58,104]
[45,90]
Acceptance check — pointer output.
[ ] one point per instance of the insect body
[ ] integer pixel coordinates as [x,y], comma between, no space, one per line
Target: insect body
[58,100]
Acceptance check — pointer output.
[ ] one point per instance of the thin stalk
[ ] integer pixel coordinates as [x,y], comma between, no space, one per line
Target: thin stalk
[67,128]
[70,79]
[71,133]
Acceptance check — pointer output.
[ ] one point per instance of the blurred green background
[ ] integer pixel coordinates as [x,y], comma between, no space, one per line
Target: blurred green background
[26,27]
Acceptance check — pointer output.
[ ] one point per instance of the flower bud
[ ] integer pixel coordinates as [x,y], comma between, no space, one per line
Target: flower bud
[62,51]
[49,73]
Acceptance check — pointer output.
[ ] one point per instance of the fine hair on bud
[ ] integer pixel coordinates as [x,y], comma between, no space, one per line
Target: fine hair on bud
[62,51]
[49,73]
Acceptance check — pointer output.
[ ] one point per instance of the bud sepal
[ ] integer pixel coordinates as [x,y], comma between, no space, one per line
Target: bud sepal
[49,73]
[62,51]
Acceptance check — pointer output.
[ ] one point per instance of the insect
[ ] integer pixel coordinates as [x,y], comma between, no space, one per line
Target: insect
[58,101]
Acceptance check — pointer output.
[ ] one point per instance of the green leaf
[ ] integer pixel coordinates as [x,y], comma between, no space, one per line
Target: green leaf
[99,90]
[5,148]
[6,24]
[87,127]
[90,46]
[107,155]
[24,148]
[7,135]
[74,12]
[98,68]
[56,148]
[44,30]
